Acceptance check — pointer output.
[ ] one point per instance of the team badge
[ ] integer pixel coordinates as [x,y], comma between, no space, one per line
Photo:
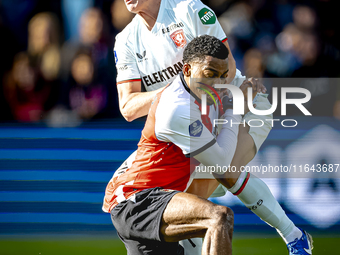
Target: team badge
[196,128]
[206,16]
[116,58]
[178,38]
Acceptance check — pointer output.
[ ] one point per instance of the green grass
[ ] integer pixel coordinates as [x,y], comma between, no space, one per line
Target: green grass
[105,246]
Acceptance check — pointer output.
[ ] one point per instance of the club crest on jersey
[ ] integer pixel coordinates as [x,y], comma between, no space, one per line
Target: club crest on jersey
[206,16]
[178,38]
[196,128]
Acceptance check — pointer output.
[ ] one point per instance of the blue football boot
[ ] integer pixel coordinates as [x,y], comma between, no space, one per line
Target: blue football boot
[302,246]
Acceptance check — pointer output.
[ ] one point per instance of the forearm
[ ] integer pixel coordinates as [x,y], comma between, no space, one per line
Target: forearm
[221,153]
[137,104]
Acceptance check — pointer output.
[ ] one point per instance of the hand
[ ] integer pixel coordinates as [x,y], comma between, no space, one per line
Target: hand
[257,85]
[252,83]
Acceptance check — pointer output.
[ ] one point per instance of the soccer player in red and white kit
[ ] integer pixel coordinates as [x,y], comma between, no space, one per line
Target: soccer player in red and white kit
[148,55]
[147,204]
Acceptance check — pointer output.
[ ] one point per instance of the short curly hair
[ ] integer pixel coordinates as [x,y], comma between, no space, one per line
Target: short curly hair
[202,46]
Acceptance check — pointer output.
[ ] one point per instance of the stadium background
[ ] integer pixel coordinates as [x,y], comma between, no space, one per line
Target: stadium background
[62,136]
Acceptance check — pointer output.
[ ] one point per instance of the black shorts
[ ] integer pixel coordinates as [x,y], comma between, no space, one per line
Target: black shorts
[138,224]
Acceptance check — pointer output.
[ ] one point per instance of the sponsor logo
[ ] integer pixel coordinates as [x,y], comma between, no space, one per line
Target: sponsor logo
[172,27]
[196,128]
[123,68]
[207,17]
[238,100]
[141,56]
[178,38]
[162,75]
[116,58]
[309,250]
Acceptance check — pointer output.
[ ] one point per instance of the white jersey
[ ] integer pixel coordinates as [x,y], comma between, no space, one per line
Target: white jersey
[155,57]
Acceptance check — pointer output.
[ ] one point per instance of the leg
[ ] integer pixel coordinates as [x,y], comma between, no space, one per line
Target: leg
[254,193]
[245,152]
[198,218]
[203,187]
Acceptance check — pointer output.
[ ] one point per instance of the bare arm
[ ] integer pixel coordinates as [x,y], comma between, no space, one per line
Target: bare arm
[132,102]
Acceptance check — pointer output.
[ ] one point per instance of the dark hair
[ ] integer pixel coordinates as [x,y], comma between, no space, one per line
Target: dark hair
[202,46]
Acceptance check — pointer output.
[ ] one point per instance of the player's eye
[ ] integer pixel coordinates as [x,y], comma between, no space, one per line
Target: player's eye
[210,74]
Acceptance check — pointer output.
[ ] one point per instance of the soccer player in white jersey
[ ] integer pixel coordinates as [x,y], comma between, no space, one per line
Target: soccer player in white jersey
[148,54]
[146,201]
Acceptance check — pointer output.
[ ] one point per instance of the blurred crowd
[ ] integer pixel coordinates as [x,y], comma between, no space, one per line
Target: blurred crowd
[57,63]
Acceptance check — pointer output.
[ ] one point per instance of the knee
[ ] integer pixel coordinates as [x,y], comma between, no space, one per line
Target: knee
[223,216]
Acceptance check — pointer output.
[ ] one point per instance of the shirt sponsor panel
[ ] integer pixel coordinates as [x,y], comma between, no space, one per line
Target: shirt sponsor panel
[206,16]
[163,75]
[172,27]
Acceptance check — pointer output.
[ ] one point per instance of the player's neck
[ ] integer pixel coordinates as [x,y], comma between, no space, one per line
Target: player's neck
[150,15]
[187,80]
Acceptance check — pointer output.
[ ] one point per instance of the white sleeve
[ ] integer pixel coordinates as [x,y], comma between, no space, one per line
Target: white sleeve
[127,69]
[220,154]
[183,127]
[204,21]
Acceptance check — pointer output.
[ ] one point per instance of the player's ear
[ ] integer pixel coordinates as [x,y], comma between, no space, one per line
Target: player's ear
[186,70]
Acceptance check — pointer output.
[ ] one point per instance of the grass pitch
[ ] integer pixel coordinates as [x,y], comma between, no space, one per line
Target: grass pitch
[105,246]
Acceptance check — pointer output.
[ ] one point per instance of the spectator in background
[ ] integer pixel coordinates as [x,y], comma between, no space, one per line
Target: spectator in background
[93,34]
[87,97]
[253,63]
[83,96]
[44,51]
[26,94]
[43,34]
[72,11]
[31,87]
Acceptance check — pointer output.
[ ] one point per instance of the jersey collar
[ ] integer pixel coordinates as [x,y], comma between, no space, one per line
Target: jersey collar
[185,85]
